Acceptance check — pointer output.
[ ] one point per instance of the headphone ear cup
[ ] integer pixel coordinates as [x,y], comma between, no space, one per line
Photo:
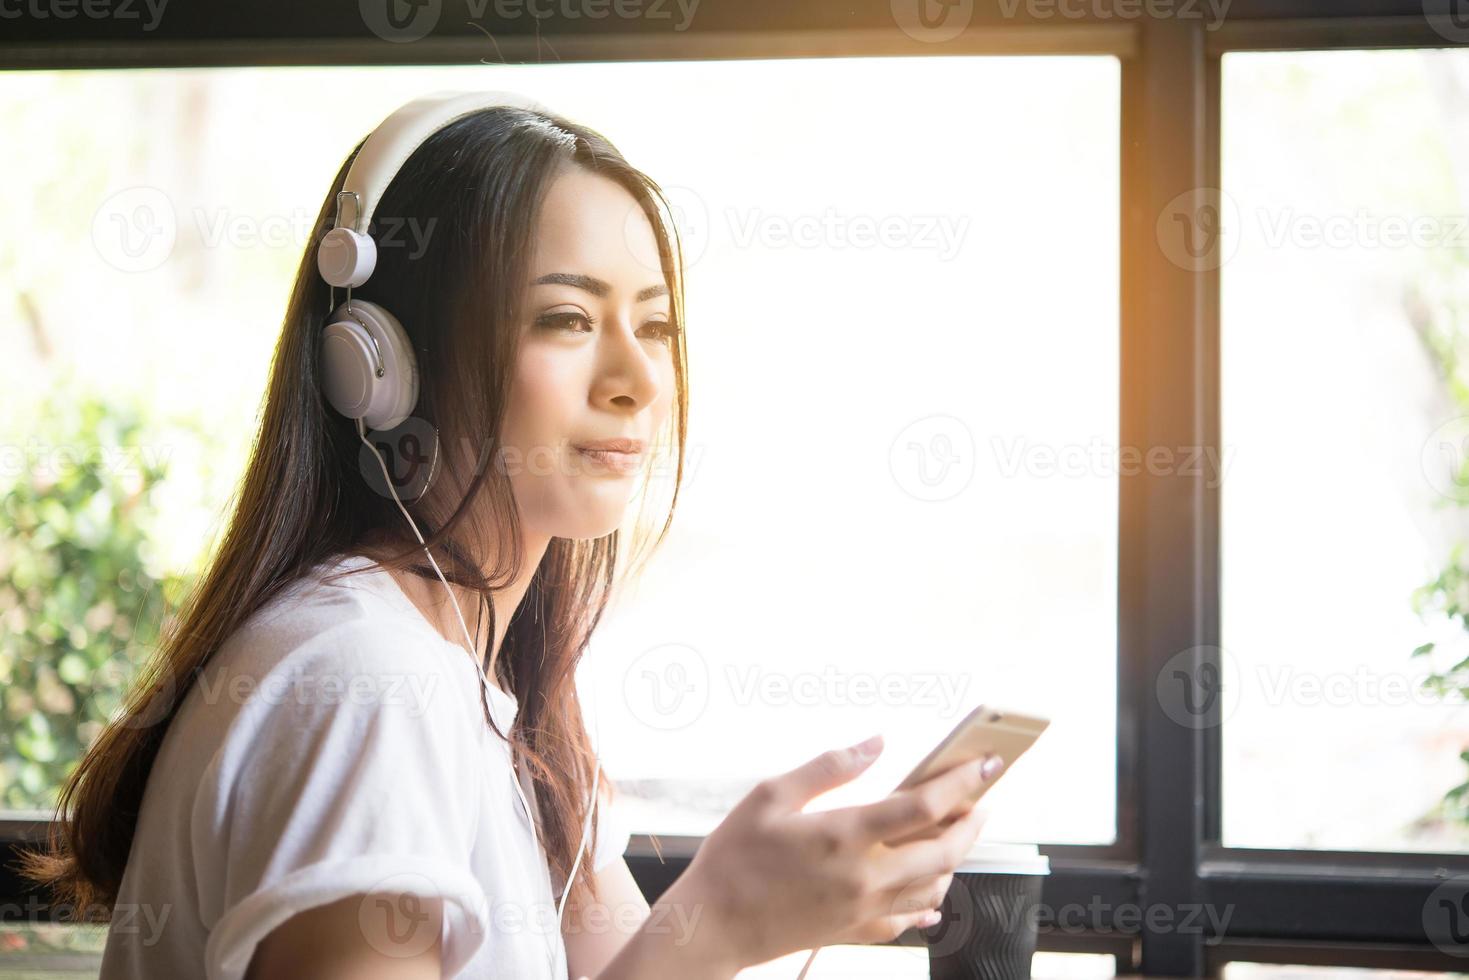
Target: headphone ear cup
[346,257]
[355,344]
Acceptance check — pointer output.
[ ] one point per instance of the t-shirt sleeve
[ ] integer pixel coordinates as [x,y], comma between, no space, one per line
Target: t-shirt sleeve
[350,769]
[613,833]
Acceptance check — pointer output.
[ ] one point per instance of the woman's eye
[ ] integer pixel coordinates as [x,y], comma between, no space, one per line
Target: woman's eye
[578,322]
[563,320]
[662,329]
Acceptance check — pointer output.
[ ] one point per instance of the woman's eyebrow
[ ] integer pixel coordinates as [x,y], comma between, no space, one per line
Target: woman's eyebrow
[595,286]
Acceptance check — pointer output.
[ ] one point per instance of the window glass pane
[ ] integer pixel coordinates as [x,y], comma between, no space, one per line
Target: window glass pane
[839,567]
[899,502]
[1345,289]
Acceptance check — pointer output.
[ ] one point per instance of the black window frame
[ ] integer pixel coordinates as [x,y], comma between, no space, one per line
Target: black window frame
[1289,906]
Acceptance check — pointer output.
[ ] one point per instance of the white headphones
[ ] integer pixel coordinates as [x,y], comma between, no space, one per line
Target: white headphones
[368,368]
[369,373]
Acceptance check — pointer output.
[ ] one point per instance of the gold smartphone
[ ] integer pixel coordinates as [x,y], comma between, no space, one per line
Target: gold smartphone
[983,731]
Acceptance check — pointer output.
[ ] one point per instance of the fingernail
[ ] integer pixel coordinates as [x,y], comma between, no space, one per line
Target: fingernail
[992,767]
[869,747]
[933,918]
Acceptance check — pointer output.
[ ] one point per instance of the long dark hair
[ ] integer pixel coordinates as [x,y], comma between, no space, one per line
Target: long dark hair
[465,206]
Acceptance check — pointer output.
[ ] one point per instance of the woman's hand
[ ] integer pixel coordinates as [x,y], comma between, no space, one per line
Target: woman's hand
[771,880]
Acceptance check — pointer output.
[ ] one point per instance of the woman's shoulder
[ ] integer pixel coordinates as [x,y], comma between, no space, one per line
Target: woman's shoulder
[352,759]
[338,640]
[330,659]
[344,608]
[330,685]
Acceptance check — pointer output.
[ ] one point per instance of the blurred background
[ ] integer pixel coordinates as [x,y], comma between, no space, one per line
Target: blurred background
[906,434]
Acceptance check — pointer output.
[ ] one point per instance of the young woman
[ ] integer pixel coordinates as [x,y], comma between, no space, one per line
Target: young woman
[324,773]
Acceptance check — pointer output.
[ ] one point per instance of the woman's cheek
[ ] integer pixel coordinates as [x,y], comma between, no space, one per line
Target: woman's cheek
[545,393]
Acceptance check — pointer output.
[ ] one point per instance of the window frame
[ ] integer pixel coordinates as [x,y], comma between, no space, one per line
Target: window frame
[1290,906]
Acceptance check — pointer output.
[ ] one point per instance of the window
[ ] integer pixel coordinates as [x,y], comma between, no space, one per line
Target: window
[1018,247]
[899,502]
[1346,211]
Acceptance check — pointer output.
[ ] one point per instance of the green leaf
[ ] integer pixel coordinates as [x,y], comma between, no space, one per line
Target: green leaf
[73,669]
[1424,650]
[32,778]
[36,748]
[37,726]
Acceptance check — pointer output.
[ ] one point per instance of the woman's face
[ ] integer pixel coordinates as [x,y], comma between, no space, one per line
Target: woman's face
[596,361]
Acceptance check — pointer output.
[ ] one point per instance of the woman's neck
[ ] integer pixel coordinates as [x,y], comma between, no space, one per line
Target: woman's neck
[429,597]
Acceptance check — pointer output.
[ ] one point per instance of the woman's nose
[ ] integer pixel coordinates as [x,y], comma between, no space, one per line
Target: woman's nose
[627,372]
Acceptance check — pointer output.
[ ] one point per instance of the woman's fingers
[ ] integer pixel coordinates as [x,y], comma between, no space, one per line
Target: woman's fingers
[930,857]
[895,925]
[886,928]
[794,789]
[907,907]
[932,831]
[928,803]
[922,893]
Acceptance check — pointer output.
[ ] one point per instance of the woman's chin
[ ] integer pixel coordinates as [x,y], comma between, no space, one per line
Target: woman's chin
[591,523]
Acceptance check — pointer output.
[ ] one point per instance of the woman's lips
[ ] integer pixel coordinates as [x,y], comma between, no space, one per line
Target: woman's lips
[614,462]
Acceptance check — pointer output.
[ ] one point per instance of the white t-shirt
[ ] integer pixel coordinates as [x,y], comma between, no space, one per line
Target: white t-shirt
[336,745]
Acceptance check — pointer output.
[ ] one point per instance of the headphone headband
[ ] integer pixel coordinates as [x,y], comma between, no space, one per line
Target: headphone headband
[393,141]
[347,254]
[369,371]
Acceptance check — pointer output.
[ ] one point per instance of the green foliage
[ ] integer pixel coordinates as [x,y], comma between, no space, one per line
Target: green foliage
[79,608]
[1448,594]
[1441,303]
